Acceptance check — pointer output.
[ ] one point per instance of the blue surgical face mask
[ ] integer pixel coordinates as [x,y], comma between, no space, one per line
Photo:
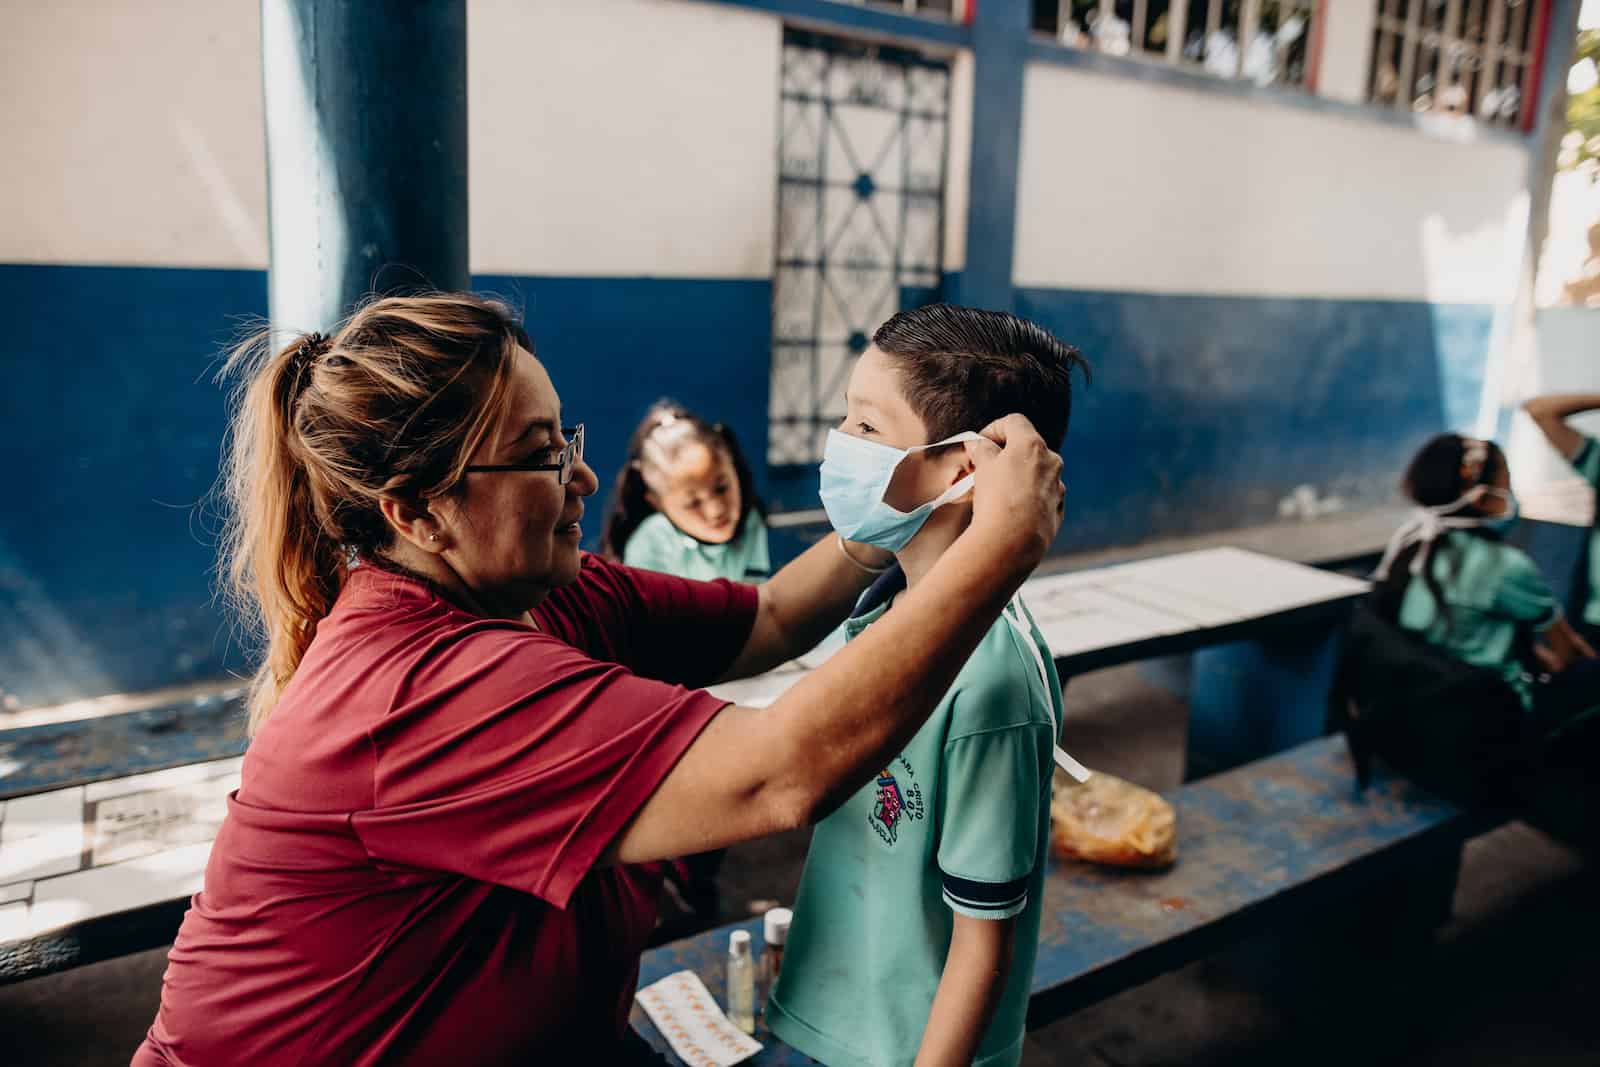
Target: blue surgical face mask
[855,475]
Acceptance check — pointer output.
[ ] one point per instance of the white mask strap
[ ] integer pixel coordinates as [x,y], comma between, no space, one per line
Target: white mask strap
[1015,617]
[959,489]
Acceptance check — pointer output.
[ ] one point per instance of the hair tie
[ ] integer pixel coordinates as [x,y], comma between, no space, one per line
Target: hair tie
[304,355]
[308,349]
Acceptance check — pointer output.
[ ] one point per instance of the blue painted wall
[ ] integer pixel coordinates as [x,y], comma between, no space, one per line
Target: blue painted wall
[1206,411]
[114,429]
[614,346]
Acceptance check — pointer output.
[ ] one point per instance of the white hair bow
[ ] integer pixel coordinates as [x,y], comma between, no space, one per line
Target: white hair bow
[1424,528]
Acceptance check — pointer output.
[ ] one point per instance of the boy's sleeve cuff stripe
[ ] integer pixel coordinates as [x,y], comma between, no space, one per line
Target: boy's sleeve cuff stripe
[986,911]
[986,895]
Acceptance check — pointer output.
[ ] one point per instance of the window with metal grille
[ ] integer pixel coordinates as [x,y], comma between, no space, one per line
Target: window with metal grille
[1459,57]
[1263,41]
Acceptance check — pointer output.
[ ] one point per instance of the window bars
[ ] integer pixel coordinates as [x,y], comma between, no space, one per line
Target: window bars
[1262,41]
[1459,57]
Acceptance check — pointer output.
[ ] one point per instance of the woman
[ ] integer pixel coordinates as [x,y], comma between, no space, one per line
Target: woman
[472,741]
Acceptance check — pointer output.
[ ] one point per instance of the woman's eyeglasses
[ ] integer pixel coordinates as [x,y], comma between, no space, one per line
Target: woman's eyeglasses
[571,455]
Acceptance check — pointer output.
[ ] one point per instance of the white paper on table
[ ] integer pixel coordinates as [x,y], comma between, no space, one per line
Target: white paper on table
[687,1015]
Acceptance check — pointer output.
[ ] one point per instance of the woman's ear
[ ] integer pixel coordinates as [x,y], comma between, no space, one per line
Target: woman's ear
[413,522]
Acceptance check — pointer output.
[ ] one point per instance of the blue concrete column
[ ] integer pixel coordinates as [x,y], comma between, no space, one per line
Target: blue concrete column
[366,109]
[1560,44]
[1550,116]
[1000,54]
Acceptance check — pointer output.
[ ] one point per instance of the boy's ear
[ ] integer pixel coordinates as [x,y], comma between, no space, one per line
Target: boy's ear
[960,465]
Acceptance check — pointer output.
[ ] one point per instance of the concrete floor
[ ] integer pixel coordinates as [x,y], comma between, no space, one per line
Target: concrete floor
[1511,980]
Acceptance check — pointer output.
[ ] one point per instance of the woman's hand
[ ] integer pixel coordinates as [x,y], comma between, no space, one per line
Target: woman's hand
[1019,499]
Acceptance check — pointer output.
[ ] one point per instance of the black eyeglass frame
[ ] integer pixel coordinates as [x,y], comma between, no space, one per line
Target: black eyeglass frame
[571,456]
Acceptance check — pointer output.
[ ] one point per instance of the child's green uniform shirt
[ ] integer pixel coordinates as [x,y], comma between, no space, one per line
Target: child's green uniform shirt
[1495,594]
[657,545]
[1587,463]
[958,822]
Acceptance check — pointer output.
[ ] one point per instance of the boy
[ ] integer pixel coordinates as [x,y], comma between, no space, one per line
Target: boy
[1552,413]
[917,918]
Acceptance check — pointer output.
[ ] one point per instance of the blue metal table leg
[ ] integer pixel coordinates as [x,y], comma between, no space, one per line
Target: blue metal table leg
[1253,698]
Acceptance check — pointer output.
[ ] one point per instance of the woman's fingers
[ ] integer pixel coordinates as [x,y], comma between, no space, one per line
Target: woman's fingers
[1019,492]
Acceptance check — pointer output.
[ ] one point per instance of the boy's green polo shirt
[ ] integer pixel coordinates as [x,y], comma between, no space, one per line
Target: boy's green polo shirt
[958,822]
[657,545]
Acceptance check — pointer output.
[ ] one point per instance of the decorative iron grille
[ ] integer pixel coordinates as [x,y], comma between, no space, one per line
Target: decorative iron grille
[861,176]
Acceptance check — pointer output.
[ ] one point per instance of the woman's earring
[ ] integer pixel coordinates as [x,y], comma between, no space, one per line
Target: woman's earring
[433,537]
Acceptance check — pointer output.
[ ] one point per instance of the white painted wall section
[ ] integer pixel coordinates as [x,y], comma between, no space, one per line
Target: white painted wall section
[1346,49]
[958,162]
[1567,360]
[133,134]
[607,137]
[1136,186]
[622,137]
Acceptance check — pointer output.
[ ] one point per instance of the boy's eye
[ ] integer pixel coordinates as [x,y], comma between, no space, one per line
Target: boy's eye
[865,427]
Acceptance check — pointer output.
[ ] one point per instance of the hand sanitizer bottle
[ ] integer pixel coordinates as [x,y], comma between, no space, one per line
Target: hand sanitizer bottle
[741,982]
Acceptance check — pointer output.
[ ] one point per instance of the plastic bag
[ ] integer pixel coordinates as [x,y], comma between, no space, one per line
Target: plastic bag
[1111,821]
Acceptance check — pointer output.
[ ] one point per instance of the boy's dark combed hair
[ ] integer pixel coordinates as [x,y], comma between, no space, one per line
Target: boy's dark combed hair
[965,367]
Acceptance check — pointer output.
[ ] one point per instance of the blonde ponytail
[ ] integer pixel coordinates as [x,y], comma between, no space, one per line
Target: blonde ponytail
[321,431]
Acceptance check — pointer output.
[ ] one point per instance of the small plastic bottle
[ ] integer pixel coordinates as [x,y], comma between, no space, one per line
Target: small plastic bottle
[775,932]
[741,982]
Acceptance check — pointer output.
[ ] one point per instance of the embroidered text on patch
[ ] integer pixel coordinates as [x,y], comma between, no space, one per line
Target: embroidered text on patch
[893,805]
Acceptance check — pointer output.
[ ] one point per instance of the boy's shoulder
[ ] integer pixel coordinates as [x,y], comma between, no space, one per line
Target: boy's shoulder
[998,686]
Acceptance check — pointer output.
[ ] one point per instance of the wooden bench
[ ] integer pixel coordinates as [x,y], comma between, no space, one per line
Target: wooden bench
[97,860]
[1261,847]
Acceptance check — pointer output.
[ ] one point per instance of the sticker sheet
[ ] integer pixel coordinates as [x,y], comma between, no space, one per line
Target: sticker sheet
[687,1015]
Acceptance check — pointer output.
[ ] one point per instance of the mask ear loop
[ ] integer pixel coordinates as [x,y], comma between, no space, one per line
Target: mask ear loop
[1013,614]
[957,490]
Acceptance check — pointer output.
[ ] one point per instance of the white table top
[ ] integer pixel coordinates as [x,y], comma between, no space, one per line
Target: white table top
[1104,608]
[76,854]
[80,853]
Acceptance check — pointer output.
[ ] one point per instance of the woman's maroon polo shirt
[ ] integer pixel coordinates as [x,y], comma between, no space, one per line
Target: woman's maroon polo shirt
[407,873]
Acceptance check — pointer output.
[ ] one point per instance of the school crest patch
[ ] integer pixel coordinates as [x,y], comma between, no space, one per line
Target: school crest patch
[894,804]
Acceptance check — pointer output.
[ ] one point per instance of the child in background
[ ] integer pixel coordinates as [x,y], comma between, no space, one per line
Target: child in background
[1449,577]
[917,919]
[1551,413]
[685,503]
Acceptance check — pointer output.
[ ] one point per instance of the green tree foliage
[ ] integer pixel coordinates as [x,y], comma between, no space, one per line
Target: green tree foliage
[1583,109]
